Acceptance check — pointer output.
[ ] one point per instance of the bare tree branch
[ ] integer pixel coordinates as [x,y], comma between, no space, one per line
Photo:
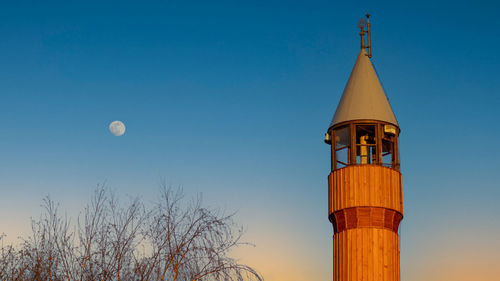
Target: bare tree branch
[174,239]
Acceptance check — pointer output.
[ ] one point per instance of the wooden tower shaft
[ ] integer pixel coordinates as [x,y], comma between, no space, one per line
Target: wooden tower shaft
[365,206]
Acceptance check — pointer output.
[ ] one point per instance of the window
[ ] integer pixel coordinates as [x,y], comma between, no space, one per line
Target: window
[388,148]
[364,143]
[366,146]
[342,140]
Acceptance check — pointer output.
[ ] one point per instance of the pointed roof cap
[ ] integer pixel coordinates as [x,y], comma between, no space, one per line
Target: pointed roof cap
[363,96]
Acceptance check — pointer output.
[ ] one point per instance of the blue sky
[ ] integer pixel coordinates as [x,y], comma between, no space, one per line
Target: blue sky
[232,98]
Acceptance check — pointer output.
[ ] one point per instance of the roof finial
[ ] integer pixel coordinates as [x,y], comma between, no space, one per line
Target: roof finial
[362,24]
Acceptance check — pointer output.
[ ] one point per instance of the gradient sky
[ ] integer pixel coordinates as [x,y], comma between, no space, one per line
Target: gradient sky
[232,99]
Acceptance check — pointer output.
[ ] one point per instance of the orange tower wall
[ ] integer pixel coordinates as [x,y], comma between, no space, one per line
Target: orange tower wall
[365,206]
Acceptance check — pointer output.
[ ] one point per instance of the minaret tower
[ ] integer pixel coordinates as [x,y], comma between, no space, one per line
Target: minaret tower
[365,201]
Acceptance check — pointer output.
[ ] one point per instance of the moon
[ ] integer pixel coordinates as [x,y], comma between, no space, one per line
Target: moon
[117,128]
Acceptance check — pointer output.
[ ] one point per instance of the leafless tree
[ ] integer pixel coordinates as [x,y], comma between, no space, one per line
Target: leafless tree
[174,239]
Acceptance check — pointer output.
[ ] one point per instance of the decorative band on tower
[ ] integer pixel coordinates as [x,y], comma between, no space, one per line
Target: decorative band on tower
[367,217]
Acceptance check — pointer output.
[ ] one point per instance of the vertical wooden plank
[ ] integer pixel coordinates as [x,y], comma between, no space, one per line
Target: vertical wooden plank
[345,190]
[400,189]
[330,194]
[335,257]
[369,254]
[359,253]
[390,235]
[389,256]
[373,241]
[334,196]
[390,192]
[342,262]
[364,189]
[337,187]
[395,192]
[360,265]
[387,250]
[375,201]
[352,187]
[395,255]
[364,182]
[387,190]
[370,185]
[349,242]
[373,275]
[387,275]
[393,273]
[397,259]
[340,257]
[376,255]
[358,188]
[345,172]
[383,186]
[347,254]
[372,174]
[378,189]
[342,190]
[374,194]
[365,252]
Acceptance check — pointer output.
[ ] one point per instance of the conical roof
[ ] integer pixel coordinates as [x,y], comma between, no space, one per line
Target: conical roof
[363,96]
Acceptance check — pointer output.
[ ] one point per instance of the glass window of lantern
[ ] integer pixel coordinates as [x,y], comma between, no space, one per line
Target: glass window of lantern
[387,152]
[366,146]
[342,147]
[388,138]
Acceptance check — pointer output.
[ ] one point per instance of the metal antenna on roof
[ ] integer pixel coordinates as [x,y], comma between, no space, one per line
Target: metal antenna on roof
[362,24]
[369,47]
